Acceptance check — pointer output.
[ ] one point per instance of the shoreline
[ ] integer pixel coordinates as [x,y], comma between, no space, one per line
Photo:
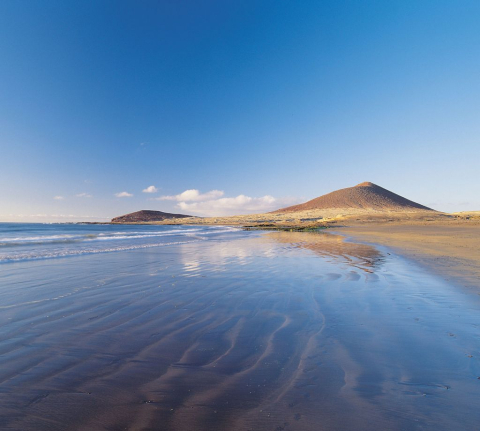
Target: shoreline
[447,244]
[452,252]
[254,330]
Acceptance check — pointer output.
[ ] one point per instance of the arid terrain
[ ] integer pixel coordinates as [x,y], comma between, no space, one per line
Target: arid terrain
[364,196]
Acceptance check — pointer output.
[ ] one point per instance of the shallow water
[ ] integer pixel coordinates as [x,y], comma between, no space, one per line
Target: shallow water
[237,330]
[31,241]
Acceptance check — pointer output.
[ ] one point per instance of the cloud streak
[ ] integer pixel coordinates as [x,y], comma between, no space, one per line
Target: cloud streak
[213,203]
[193,195]
[150,189]
[123,195]
[47,217]
[83,195]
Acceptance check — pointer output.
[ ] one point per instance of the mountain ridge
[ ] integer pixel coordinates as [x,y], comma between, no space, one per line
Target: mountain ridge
[364,196]
[143,216]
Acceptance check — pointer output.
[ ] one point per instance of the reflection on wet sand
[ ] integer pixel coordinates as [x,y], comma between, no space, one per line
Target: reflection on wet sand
[284,331]
[361,256]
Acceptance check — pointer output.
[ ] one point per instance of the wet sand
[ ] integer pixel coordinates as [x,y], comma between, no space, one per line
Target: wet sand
[277,331]
[449,248]
[447,244]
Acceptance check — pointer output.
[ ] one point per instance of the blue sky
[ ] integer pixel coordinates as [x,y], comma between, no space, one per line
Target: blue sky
[253,104]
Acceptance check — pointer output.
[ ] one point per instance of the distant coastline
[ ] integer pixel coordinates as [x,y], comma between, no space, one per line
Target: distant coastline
[445,243]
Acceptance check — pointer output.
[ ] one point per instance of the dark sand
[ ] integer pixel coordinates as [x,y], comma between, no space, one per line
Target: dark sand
[278,331]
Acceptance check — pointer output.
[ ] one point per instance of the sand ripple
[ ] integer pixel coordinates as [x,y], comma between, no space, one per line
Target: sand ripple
[282,331]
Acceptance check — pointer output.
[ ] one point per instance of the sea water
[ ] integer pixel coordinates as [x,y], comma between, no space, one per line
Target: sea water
[23,241]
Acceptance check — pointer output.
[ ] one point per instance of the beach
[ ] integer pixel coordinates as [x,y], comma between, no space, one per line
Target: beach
[227,329]
[446,244]
[449,248]
[239,216]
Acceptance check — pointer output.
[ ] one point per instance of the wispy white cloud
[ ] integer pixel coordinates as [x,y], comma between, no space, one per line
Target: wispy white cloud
[83,195]
[193,195]
[50,217]
[123,195]
[58,198]
[213,203]
[74,216]
[150,189]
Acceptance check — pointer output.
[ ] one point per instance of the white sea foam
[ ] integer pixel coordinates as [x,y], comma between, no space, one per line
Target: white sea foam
[111,235]
[71,252]
[39,238]
[50,245]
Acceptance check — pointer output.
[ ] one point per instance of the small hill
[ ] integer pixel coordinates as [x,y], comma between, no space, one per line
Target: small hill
[146,216]
[364,196]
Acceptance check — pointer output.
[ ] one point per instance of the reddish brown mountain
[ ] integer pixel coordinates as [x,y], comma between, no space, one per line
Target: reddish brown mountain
[364,196]
[146,216]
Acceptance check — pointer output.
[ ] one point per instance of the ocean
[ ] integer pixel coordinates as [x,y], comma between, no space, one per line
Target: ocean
[106,327]
[22,241]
